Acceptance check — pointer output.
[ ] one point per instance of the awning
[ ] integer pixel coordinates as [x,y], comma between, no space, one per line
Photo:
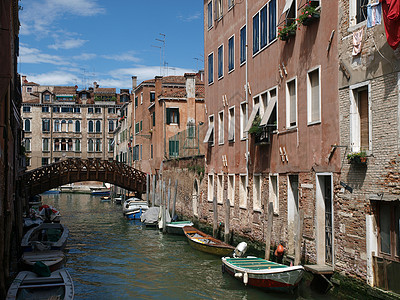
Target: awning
[268,111]
[287,6]
[252,116]
[208,134]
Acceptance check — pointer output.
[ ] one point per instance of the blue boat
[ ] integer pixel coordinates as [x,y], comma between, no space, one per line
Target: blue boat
[101,191]
[134,207]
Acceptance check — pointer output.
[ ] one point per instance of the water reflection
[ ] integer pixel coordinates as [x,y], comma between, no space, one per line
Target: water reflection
[110,257]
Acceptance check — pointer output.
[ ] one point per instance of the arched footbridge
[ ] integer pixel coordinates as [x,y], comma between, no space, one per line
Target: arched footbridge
[72,170]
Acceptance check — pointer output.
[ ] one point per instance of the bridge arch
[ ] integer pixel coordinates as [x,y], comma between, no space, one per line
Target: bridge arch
[73,170]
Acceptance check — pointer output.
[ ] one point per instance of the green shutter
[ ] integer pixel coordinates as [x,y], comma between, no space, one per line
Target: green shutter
[168,116]
[177,115]
[177,148]
[170,149]
[154,118]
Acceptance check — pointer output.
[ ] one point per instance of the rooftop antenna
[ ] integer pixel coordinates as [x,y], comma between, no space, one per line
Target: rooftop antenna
[160,56]
[162,40]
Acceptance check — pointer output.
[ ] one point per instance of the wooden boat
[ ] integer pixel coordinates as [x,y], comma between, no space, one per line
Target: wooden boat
[177,227]
[262,273]
[53,259]
[28,285]
[206,243]
[46,236]
[105,198]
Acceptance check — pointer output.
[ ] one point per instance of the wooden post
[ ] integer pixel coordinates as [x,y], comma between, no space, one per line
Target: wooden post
[174,203]
[215,220]
[299,237]
[164,221]
[154,190]
[148,189]
[227,220]
[269,230]
[169,196]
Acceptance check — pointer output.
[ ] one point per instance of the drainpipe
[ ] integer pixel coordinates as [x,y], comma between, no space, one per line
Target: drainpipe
[247,101]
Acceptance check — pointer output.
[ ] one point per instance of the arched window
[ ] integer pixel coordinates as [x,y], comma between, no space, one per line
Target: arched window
[90,126]
[63,145]
[70,145]
[98,126]
[69,127]
[90,145]
[27,125]
[77,145]
[63,126]
[77,126]
[56,145]
[110,125]
[98,145]
[56,126]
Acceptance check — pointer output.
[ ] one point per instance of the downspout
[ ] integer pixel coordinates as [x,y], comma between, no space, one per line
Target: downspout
[247,101]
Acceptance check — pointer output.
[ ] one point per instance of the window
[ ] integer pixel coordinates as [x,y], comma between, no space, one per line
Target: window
[264,26]
[57,145]
[313,97]
[210,188]
[84,96]
[231,189]
[212,133]
[231,124]
[98,126]
[77,145]
[90,145]
[243,42]
[211,68]
[111,110]
[357,11]
[110,125]
[90,110]
[218,8]
[243,121]
[389,234]
[26,109]
[273,192]
[231,53]
[77,126]
[27,145]
[173,148]
[243,191]
[151,151]
[290,12]
[152,96]
[46,97]
[210,14]
[98,145]
[45,109]
[46,125]
[230,3]
[90,126]
[220,188]
[66,109]
[141,98]
[28,161]
[172,116]
[220,61]
[154,118]
[63,126]
[45,144]
[268,109]
[57,127]
[256,33]
[141,152]
[221,127]
[77,110]
[97,110]
[360,119]
[110,145]
[136,101]
[291,104]
[63,145]
[141,126]
[137,128]
[56,109]
[256,192]
[27,125]
[69,144]
[45,161]
[29,89]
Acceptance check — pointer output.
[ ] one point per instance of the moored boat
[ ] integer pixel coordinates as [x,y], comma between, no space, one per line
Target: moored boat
[150,217]
[177,227]
[100,191]
[105,198]
[46,236]
[206,243]
[28,285]
[134,207]
[262,273]
[53,259]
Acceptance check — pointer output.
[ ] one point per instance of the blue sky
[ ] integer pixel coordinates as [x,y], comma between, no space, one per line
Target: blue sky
[68,42]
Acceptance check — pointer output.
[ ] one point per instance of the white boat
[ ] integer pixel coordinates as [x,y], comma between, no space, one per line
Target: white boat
[134,207]
[54,259]
[177,227]
[28,285]
[46,236]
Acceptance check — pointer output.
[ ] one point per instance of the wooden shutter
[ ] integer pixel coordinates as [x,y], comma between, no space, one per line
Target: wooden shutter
[314,86]
[168,113]
[177,116]
[364,119]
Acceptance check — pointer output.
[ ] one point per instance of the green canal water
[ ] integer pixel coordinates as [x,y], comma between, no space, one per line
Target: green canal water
[110,257]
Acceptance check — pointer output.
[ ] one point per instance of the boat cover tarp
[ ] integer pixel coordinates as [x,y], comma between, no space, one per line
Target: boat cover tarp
[151,215]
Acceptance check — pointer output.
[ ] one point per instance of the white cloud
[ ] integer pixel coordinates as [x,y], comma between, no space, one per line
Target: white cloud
[128,56]
[85,56]
[190,18]
[35,56]
[68,44]
[54,78]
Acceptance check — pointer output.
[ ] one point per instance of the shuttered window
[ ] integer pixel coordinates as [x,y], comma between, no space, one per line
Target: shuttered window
[172,115]
[291,103]
[313,97]
[364,123]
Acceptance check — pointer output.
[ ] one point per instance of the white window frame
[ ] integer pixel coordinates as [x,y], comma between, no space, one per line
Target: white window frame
[231,189]
[223,62]
[243,191]
[219,9]
[288,106]
[141,98]
[48,145]
[213,69]
[274,195]
[231,3]
[257,205]
[355,134]
[28,144]
[231,128]
[353,16]
[77,149]
[240,46]
[212,15]
[213,124]
[243,120]
[210,187]
[233,69]
[221,128]
[309,97]
[220,188]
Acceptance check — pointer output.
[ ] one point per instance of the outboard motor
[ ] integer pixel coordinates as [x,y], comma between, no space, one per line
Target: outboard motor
[240,249]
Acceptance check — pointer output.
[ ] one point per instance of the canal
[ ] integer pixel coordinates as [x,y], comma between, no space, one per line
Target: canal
[110,257]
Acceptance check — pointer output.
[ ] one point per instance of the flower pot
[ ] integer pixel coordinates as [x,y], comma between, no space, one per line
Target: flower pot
[287,35]
[311,19]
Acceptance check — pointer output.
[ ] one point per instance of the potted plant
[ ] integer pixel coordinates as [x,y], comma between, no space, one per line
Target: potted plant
[357,157]
[309,14]
[255,126]
[287,31]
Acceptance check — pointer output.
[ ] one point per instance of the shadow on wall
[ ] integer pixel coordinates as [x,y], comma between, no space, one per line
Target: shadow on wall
[356,175]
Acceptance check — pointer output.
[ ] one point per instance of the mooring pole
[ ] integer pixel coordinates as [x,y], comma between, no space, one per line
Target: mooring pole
[174,203]
[154,190]
[215,219]
[227,219]
[269,230]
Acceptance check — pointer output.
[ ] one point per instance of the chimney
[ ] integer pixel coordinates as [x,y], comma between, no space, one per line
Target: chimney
[158,85]
[95,85]
[134,82]
[24,79]
[190,85]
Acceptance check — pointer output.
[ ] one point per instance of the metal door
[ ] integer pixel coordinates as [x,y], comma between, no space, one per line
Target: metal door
[328,218]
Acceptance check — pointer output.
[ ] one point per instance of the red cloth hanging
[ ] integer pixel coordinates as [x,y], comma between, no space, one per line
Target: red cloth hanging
[391,17]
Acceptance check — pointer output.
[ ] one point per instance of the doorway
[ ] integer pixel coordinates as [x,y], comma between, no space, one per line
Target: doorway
[195,198]
[293,209]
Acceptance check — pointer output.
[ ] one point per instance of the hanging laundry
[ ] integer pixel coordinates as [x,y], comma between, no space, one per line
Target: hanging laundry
[374,14]
[357,40]
[391,18]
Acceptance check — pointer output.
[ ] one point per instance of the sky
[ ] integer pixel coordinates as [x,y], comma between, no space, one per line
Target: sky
[77,42]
